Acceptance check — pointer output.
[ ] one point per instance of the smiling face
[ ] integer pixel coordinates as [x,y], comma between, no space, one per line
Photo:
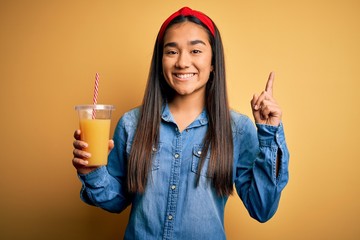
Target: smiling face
[187,58]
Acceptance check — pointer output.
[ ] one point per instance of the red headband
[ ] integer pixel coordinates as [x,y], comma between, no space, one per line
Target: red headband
[185,11]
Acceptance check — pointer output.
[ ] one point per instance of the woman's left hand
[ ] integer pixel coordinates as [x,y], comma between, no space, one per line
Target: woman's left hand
[264,107]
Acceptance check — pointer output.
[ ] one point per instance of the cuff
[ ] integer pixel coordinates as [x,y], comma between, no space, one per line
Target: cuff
[95,178]
[91,180]
[270,135]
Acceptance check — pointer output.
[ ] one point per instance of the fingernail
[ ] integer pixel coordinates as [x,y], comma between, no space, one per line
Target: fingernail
[86,162]
[256,107]
[87,155]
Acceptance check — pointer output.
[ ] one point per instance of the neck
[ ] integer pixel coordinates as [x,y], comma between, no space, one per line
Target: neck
[185,109]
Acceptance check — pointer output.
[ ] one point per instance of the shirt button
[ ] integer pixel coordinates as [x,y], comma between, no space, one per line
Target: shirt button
[173,187]
[154,149]
[177,155]
[170,217]
[199,152]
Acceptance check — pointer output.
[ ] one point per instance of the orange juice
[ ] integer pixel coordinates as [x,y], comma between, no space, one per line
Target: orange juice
[96,132]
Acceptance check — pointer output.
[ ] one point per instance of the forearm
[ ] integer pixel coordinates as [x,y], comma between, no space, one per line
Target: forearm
[260,185]
[101,189]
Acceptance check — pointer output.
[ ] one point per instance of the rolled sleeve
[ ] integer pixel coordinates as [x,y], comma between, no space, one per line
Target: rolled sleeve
[90,181]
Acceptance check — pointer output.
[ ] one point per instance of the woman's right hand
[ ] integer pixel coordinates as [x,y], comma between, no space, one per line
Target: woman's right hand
[80,161]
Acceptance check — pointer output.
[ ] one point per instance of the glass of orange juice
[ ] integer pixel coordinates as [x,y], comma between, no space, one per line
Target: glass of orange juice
[95,130]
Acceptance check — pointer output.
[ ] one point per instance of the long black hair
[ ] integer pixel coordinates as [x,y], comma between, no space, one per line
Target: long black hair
[218,140]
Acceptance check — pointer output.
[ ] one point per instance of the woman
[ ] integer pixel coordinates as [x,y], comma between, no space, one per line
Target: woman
[176,158]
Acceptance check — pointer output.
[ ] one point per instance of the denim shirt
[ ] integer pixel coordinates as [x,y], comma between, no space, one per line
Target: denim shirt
[172,206]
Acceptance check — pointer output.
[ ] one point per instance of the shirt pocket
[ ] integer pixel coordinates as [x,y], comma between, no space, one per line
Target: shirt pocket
[197,152]
[155,152]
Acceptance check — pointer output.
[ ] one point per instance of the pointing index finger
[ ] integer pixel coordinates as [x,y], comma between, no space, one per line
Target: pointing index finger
[269,84]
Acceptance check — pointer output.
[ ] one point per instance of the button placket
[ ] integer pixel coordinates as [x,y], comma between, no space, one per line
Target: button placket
[173,187]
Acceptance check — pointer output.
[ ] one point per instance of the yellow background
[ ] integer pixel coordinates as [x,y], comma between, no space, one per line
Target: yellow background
[51,50]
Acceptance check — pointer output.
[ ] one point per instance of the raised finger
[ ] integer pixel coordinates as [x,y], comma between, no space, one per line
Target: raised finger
[270,83]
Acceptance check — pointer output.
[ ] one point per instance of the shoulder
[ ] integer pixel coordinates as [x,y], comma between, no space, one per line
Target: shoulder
[240,122]
[126,125]
[129,119]
[131,116]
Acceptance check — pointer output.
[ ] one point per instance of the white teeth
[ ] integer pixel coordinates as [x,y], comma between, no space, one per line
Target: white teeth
[188,75]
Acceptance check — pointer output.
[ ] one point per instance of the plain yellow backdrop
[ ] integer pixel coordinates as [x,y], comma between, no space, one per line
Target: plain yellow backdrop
[51,50]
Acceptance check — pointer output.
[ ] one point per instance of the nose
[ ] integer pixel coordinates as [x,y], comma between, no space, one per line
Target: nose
[183,60]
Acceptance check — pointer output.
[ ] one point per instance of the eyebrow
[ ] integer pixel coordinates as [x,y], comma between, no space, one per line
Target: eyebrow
[194,42]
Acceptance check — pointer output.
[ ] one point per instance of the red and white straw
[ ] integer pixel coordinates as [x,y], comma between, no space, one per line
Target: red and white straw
[96,92]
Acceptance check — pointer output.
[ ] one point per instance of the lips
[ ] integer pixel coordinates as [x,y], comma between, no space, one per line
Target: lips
[184,75]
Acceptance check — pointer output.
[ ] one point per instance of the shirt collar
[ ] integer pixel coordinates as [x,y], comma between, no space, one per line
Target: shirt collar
[202,119]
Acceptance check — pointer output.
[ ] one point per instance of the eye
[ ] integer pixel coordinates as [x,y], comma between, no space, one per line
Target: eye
[170,52]
[196,51]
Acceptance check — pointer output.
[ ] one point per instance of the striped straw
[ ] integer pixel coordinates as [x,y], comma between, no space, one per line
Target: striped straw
[96,91]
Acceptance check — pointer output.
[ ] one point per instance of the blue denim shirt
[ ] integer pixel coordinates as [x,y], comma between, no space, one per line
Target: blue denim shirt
[172,206]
